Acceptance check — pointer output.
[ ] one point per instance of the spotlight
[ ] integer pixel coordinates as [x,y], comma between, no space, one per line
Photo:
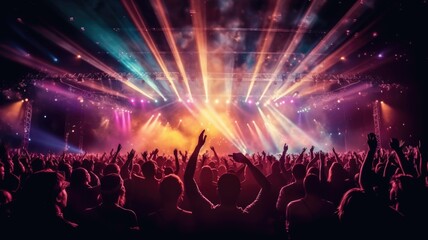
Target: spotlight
[216,101]
[156,100]
[142,100]
[227,101]
[26,99]
[78,56]
[132,100]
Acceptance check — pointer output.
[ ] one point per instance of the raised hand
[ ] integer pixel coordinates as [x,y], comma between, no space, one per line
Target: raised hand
[175,152]
[212,148]
[131,154]
[334,150]
[395,144]
[372,141]
[312,149]
[202,138]
[285,147]
[144,155]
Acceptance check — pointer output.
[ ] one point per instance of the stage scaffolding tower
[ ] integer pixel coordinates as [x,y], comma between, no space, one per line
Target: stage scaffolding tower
[376,121]
[27,124]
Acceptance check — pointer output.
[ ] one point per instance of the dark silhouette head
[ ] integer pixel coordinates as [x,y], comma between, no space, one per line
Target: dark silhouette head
[149,169]
[167,171]
[354,208]
[171,189]
[312,184]
[336,173]
[79,177]
[276,170]
[44,191]
[228,187]
[299,171]
[112,189]
[88,165]
[206,175]
[111,168]
[37,164]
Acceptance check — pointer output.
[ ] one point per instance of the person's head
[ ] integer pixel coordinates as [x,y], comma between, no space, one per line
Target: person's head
[66,169]
[171,189]
[298,171]
[212,164]
[275,168]
[5,197]
[112,189]
[312,170]
[79,177]
[167,171]
[45,191]
[99,168]
[149,169]
[336,173]
[88,164]
[355,207]
[221,170]
[229,188]
[312,185]
[136,169]
[37,164]
[403,190]
[111,168]
[206,175]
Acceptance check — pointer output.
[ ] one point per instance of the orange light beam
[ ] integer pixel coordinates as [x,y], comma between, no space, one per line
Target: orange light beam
[314,7]
[198,21]
[138,20]
[332,36]
[267,37]
[346,49]
[160,13]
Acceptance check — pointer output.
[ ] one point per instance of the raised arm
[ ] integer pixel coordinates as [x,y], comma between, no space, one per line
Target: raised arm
[405,166]
[282,159]
[195,196]
[311,151]
[119,147]
[258,175]
[366,173]
[336,156]
[126,169]
[300,158]
[322,176]
[215,156]
[177,164]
